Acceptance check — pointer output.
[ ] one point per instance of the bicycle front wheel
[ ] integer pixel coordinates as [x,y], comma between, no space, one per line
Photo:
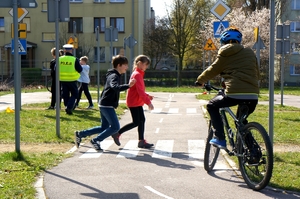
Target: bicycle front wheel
[211,152]
[256,161]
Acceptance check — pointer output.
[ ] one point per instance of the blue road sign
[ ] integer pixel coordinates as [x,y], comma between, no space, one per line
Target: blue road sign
[22,46]
[219,27]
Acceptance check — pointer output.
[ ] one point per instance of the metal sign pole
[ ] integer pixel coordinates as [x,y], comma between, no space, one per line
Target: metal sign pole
[98,62]
[74,34]
[17,81]
[57,84]
[271,70]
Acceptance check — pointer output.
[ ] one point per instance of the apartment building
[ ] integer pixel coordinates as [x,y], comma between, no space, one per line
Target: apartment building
[127,17]
[289,15]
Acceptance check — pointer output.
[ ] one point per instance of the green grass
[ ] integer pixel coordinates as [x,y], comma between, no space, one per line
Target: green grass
[38,125]
[27,166]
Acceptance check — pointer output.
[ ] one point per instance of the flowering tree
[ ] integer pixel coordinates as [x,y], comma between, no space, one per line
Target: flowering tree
[246,22]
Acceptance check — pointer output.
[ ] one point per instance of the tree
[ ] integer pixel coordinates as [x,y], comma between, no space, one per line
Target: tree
[183,22]
[251,5]
[155,35]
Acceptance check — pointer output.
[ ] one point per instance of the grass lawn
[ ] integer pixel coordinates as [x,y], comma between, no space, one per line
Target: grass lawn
[38,128]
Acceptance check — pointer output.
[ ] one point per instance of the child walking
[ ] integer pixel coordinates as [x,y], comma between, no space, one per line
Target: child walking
[85,80]
[109,101]
[53,77]
[135,99]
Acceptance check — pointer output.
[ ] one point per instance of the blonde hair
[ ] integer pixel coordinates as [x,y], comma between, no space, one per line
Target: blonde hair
[53,51]
[84,58]
[141,58]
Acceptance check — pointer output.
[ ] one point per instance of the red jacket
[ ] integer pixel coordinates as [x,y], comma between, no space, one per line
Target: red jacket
[136,95]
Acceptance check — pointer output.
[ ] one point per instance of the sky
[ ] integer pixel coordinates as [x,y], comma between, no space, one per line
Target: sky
[159,7]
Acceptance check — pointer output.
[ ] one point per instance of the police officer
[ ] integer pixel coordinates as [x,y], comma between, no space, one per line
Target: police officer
[69,72]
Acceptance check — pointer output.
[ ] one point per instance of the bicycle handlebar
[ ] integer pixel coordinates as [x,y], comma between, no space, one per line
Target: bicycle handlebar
[209,87]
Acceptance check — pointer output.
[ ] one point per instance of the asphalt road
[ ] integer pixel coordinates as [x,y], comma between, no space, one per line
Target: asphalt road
[172,169]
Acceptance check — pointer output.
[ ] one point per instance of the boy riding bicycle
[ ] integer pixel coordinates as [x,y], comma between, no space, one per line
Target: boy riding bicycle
[237,65]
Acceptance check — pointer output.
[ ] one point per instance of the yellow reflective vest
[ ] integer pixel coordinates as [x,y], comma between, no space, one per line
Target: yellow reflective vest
[67,71]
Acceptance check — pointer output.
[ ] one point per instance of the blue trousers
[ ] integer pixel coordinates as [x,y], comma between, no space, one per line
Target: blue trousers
[109,125]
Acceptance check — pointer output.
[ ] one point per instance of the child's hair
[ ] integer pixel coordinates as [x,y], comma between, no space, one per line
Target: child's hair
[60,52]
[84,58]
[141,58]
[119,59]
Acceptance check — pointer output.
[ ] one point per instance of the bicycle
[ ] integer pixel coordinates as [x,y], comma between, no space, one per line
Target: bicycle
[249,142]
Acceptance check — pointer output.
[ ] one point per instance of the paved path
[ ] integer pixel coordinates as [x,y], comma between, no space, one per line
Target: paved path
[42,97]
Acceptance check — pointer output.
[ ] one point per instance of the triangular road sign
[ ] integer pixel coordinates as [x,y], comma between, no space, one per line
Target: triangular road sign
[210,45]
[71,40]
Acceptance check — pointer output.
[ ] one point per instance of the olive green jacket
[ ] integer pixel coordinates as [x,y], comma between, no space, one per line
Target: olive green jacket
[238,66]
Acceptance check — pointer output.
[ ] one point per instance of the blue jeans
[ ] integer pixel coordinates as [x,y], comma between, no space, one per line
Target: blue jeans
[109,126]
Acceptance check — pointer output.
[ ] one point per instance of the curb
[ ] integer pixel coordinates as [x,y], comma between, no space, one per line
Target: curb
[39,184]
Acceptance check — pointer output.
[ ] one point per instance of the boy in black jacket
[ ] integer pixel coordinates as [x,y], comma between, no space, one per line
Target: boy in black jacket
[109,101]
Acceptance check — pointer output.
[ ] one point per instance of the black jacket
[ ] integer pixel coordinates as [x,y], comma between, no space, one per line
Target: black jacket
[111,92]
[52,67]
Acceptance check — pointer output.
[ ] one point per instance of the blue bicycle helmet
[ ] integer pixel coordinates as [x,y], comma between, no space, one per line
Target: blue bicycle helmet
[231,35]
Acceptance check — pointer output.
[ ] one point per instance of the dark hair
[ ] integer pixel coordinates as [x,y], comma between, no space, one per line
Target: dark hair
[119,59]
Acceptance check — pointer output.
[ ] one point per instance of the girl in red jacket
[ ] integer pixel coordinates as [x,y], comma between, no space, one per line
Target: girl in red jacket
[136,98]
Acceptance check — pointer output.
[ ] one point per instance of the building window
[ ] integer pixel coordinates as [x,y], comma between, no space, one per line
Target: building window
[118,51]
[79,27]
[117,1]
[2,53]
[2,24]
[295,69]
[295,48]
[295,26]
[99,1]
[102,54]
[44,7]
[99,21]
[76,1]
[295,4]
[27,21]
[48,36]
[118,23]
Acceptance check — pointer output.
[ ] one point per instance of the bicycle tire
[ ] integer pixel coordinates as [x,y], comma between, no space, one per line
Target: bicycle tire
[256,176]
[49,84]
[211,152]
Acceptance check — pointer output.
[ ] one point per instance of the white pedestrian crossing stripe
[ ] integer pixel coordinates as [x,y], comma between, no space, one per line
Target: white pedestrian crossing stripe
[196,149]
[162,149]
[176,111]
[92,153]
[173,110]
[130,150]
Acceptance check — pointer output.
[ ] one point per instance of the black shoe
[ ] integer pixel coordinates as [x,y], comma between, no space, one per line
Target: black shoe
[77,139]
[144,144]
[96,145]
[50,108]
[69,112]
[116,137]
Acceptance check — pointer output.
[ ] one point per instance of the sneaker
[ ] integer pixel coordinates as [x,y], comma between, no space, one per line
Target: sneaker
[69,112]
[116,138]
[90,107]
[96,145]
[77,139]
[50,107]
[218,143]
[145,144]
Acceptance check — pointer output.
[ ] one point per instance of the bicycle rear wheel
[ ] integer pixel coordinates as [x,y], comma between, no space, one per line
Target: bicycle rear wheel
[211,152]
[256,172]
[49,85]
